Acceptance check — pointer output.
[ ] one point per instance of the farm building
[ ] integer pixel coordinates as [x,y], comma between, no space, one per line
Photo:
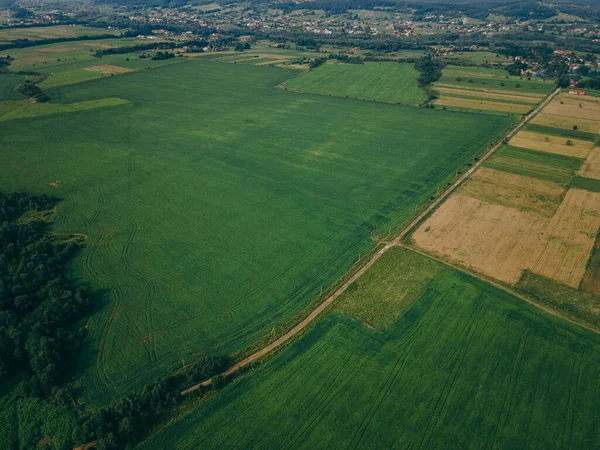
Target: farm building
[577,91]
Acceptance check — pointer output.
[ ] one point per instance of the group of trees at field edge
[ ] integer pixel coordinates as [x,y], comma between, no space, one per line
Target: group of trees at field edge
[127,421]
[430,71]
[38,306]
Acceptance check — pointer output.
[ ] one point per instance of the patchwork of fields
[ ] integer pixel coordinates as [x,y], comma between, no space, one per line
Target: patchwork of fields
[532,212]
[483,89]
[466,366]
[218,206]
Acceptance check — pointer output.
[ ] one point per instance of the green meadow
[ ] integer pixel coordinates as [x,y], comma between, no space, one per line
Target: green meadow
[384,81]
[531,163]
[465,366]
[216,205]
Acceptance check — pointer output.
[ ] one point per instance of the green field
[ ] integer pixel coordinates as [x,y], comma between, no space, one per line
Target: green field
[467,366]
[384,81]
[217,206]
[496,79]
[531,163]
[69,62]
[52,32]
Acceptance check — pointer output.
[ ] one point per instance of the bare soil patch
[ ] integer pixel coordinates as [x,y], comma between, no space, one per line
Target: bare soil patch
[552,144]
[107,68]
[514,191]
[591,166]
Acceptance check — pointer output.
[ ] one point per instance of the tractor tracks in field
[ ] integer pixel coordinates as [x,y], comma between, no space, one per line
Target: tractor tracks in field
[395,242]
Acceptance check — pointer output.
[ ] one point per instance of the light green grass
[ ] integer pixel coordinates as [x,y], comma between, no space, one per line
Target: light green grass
[467,366]
[385,81]
[31,110]
[217,205]
[530,163]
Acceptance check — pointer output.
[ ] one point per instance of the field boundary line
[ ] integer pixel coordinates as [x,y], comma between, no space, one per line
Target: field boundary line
[502,287]
[393,243]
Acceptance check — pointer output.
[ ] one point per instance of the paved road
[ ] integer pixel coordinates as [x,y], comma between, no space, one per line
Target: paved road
[395,242]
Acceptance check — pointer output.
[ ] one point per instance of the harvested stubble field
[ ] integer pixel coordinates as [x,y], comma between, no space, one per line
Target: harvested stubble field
[552,144]
[502,224]
[384,81]
[489,95]
[591,166]
[574,107]
[217,206]
[482,105]
[466,366]
[558,121]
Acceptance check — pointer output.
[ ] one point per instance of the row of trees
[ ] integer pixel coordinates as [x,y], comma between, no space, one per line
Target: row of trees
[38,306]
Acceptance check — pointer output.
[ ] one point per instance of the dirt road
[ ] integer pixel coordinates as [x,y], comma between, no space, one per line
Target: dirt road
[395,242]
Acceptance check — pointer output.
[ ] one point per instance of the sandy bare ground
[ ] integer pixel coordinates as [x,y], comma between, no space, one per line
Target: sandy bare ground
[108,68]
[395,242]
[591,166]
[552,144]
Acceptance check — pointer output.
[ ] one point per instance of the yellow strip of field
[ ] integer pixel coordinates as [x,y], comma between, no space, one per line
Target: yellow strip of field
[274,61]
[494,91]
[490,95]
[591,166]
[552,144]
[570,235]
[108,68]
[569,106]
[482,105]
[551,120]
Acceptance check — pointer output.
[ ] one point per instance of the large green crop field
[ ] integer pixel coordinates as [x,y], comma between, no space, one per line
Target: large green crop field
[467,366]
[385,81]
[217,205]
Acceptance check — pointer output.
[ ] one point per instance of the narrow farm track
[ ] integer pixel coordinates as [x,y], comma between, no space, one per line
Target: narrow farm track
[393,243]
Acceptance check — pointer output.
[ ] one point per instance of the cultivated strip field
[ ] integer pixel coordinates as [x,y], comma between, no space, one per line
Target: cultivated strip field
[529,215]
[591,166]
[482,89]
[484,368]
[218,206]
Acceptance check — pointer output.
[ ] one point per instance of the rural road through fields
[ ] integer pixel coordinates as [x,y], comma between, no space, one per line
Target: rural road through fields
[393,243]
